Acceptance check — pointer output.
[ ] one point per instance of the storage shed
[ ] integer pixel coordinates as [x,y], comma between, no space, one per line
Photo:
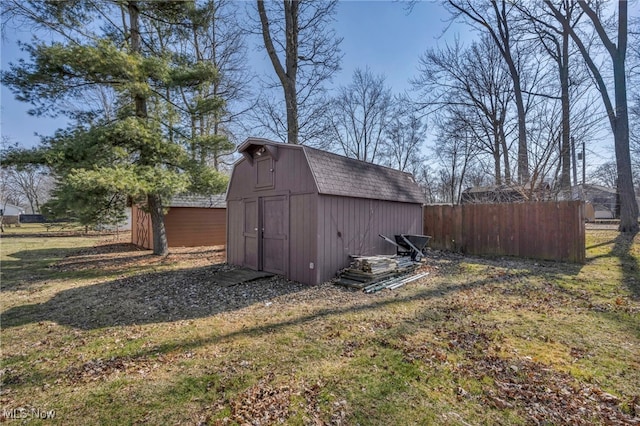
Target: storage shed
[191,221]
[300,212]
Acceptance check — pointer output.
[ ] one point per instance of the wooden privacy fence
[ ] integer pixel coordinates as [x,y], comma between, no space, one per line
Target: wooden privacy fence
[550,230]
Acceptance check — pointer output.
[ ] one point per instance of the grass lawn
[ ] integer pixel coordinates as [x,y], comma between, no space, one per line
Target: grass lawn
[95,331]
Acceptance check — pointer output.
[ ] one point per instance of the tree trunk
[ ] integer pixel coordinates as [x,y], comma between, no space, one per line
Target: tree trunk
[628,202]
[523,153]
[618,116]
[160,244]
[496,155]
[287,74]
[154,202]
[505,155]
[505,47]
[565,151]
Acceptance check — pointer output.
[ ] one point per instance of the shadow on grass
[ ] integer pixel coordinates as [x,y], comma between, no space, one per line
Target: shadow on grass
[62,309]
[27,269]
[189,294]
[630,263]
[148,298]
[30,266]
[155,297]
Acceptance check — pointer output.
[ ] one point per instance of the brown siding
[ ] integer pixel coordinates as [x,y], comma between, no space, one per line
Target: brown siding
[185,226]
[553,231]
[194,226]
[351,226]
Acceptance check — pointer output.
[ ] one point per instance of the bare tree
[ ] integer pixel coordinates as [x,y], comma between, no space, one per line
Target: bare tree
[304,52]
[405,136]
[618,114]
[495,18]
[216,37]
[554,40]
[24,184]
[32,182]
[456,149]
[360,115]
[605,174]
[427,179]
[476,79]
[634,89]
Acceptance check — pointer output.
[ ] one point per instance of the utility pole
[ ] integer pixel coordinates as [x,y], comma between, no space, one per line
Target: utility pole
[584,164]
[573,160]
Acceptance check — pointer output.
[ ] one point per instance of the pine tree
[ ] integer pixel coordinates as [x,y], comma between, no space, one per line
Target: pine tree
[138,151]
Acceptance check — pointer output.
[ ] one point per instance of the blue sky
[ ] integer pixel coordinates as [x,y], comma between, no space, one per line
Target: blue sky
[380,35]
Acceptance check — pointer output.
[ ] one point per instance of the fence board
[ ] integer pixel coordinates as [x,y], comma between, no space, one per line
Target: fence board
[553,231]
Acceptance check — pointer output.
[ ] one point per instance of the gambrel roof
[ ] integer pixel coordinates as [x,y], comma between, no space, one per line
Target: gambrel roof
[338,175]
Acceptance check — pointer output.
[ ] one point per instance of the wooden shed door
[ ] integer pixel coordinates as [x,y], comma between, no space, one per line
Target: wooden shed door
[275,238]
[250,234]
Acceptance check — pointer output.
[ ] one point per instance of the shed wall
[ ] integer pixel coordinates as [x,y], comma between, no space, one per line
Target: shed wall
[185,227]
[303,233]
[193,226]
[235,246]
[351,226]
[291,174]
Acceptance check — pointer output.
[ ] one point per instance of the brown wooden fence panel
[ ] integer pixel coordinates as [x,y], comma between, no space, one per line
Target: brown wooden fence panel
[553,231]
[444,224]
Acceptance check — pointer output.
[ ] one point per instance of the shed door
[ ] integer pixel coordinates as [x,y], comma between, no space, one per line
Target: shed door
[250,234]
[275,238]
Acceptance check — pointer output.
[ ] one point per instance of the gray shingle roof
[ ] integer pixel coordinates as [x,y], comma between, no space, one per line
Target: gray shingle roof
[338,175]
[203,201]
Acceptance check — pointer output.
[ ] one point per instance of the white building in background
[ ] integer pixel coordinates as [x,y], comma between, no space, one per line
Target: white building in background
[7,209]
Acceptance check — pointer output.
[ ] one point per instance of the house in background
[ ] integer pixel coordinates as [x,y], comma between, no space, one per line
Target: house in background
[191,221]
[10,213]
[602,202]
[300,212]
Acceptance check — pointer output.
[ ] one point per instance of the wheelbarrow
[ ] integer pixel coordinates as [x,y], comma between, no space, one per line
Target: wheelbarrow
[409,244]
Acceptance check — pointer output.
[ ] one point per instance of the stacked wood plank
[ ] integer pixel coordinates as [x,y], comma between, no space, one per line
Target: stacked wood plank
[374,264]
[366,270]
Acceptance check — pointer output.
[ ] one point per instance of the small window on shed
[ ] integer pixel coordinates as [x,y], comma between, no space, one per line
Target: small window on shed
[264,173]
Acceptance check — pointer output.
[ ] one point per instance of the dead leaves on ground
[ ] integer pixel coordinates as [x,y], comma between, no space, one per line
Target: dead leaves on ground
[271,401]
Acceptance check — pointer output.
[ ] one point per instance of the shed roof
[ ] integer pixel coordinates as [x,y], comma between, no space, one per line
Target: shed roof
[202,201]
[338,175]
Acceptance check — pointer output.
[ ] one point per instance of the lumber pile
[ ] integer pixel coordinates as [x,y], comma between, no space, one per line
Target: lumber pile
[373,264]
[365,271]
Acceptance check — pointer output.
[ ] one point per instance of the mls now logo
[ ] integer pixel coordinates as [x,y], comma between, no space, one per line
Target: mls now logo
[23,413]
